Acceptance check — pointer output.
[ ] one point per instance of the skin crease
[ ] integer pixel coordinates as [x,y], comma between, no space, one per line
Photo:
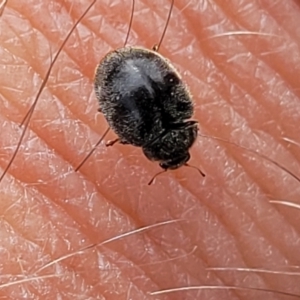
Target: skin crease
[246,90]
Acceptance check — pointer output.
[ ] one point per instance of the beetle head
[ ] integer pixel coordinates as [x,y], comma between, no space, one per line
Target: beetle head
[171,148]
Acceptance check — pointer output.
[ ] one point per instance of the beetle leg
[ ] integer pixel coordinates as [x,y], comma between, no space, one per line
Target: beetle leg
[112,142]
[155,48]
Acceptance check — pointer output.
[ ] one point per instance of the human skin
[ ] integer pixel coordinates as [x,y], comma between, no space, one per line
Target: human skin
[240,60]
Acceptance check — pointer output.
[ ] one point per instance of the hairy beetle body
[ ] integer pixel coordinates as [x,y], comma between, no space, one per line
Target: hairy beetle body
[147,104]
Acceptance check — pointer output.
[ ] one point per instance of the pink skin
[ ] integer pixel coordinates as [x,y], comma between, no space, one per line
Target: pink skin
[246,90]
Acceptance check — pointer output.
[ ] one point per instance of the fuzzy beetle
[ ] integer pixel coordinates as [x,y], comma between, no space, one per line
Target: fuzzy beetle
[146,103]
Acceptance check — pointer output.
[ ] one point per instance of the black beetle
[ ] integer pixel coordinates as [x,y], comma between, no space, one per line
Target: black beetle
[147,104]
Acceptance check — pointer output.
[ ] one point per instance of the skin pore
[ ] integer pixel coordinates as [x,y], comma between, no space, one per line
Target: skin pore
[241,62]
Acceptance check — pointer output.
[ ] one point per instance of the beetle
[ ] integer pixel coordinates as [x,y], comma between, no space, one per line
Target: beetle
[147,104]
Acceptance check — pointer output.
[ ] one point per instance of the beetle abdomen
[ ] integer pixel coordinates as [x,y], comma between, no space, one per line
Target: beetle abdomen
[140,94]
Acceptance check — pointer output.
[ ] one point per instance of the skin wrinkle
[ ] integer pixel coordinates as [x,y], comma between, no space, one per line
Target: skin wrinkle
[24,234]
[228,100]
[264,60]
[233,78]
[185,177]
[204,262]
[282,125]
[284,10]
[69,54]
[281,67]
[235,233]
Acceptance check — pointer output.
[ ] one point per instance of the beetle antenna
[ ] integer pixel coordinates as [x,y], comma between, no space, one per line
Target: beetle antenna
[187,165]
[157,174]
[156,48]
